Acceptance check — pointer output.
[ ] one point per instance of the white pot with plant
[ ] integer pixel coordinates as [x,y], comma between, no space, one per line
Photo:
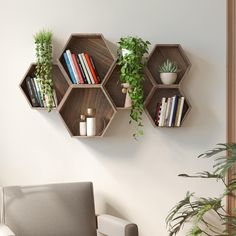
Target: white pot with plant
[168,72]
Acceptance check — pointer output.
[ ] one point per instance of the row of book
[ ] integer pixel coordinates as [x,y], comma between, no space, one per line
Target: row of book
[81,68]
[169,111]
[35,93]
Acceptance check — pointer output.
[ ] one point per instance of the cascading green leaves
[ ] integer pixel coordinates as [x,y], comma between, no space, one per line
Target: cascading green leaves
[43,42]
[130,58]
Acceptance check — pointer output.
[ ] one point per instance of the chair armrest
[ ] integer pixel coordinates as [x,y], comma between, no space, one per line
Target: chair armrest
[5,231]
[113,226]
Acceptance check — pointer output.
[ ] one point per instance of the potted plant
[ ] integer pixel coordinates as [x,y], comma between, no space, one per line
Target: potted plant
[198,210]
[168,72]
[43,42]
[130,58]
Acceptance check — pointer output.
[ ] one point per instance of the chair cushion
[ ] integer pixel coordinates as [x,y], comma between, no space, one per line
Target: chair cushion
[51,210]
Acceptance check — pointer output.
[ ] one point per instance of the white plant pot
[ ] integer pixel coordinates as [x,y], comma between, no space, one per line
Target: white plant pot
[168,78]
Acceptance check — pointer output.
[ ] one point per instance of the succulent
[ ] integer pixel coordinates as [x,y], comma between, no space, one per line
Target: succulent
[168,67]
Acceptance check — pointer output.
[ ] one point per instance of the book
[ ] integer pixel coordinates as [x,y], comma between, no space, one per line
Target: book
[68,52]
[95,69]
[179,117]
[173,111]
[158,113]
[38,92]
[72,77]
[81,81]
[31,93]
[163,111]
[91,68]
[81,70]
[168,108]
[87,68]
[35,91]
[84,69]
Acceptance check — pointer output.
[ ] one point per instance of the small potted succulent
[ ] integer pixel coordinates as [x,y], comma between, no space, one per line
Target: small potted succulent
[168,72]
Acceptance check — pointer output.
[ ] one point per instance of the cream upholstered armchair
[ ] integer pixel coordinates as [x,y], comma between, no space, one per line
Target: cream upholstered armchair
[57,210]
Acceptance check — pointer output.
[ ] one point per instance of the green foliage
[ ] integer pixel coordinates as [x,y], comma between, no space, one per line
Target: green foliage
[193,209]
[43,42]
[132,72]
[168,67]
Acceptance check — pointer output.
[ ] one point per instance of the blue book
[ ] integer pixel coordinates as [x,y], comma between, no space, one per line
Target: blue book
[176,98]
[72,77]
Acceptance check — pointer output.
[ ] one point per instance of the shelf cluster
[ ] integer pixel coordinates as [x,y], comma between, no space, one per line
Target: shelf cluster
[87,76]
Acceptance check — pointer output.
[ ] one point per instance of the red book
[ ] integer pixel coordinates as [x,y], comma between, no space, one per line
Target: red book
[91,68]
[77,68]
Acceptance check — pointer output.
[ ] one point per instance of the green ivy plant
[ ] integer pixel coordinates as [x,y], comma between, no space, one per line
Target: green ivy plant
[43,42]
[198,209]
[168,67]
[130,58]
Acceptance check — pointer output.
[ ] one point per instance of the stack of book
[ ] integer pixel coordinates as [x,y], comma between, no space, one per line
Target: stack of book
[35,93]
[169,111]
[81,68]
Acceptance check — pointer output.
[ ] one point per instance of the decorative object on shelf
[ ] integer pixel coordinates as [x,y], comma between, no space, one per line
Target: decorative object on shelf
[196,210]
[130,58]
[125,90]
[91,122]
[168,72]
[43,42]
[82,126]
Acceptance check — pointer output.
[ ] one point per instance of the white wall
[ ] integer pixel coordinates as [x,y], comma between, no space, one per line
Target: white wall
[136,180]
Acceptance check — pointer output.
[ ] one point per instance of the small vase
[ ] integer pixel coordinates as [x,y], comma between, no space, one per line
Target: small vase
[168,78]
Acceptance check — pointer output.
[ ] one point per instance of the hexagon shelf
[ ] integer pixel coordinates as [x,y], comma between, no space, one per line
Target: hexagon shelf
[173,52]
[76,102]
[156,97]
[93,44]
[60,84]
[113,87]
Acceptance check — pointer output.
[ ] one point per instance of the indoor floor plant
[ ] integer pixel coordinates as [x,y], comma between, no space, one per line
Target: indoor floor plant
[43,42]
[198,210]
[130,58]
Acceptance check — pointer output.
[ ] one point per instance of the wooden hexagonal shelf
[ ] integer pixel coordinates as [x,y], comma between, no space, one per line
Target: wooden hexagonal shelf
[156,97]
[112,86]
[76,102]
[173,52]
[93,44]
[60,84]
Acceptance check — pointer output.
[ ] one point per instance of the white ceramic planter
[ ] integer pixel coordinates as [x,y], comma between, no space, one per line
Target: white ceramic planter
[168,78]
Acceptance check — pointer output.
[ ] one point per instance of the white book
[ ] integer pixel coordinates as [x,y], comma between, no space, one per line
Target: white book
[172,110]
[84,68]
[178,120]
[163,110]
[88,69]
[68,52]
[168,107]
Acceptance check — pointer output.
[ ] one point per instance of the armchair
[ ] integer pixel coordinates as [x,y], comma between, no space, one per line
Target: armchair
[65,209]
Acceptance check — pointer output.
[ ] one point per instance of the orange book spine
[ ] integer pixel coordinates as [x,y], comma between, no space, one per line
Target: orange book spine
[91,68]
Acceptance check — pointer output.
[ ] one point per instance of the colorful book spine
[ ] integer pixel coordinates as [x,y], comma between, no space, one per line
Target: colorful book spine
[81,81]
[68,52]
[72,77]
[87,68]
[168,108]
[95,69]
[81,69]
[84,68]
[172,110]
[91,68]
[158,113]
[174,105]
[163,111]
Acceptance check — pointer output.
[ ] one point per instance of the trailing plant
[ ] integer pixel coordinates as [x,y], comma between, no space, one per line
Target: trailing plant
[43,42]
[168,67]
[198,209]
[130,58]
